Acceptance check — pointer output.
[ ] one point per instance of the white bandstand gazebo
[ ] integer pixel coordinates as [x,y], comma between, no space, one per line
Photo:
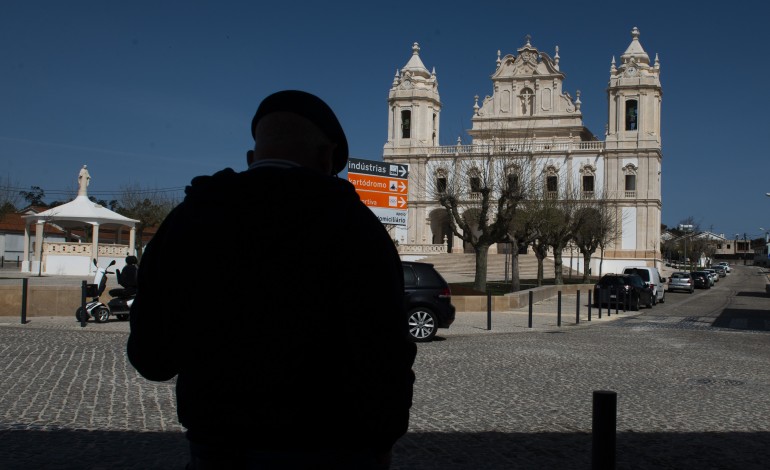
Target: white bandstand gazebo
[75,258]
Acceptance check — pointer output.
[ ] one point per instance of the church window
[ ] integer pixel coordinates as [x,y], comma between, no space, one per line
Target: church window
[406,124]
[630,182]
[441,184]
[551,186]
[632,114]
[513,183]
[475,184]
[588,183]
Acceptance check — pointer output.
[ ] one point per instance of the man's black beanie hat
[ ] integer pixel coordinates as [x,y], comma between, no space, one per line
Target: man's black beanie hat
[316,111]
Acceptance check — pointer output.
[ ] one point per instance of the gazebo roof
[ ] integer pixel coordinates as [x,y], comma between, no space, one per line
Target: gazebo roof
[81,210]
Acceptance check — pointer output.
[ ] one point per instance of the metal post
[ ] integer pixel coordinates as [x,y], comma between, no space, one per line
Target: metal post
[577,309]
[599,301]
[558,309]
[24,287]
[617,301]
[84,315]
[589,304]
[605,404]
[530,309]
[489,311]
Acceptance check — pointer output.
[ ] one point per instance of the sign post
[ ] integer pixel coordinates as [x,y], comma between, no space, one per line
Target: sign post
[383,187]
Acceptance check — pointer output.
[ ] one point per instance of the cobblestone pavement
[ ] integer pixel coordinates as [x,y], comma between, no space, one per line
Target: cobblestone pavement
[691,378]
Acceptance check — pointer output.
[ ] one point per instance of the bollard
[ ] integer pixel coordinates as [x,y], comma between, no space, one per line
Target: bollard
[489,311]
[590,304]
[24,288]
[530,309]
[599,301]
[577,309]
[604,430]
[84,315]
[617,301]
[558,309]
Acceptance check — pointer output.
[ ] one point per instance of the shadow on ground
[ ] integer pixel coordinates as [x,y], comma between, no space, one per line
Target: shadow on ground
[744,319]
[63,449]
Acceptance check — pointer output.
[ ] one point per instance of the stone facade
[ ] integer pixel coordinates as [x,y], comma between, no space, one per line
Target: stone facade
[530,118]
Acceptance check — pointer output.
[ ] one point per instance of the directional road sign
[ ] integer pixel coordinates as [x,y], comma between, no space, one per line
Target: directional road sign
[383,187]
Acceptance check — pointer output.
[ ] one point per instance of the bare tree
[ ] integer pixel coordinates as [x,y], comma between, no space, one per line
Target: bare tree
[9,197]
[148,206]
[522,233]
[481,194]
[597,225]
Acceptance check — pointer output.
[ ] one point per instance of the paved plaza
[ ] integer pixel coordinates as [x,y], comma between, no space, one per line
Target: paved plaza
[691,376]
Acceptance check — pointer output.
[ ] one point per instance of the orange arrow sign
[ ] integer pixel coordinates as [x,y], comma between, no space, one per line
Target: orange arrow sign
[378,183]
[376,199]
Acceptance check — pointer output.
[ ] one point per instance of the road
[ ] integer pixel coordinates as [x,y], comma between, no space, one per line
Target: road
[691,376]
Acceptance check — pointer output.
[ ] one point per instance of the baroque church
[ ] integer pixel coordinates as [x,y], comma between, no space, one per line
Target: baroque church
[530,115]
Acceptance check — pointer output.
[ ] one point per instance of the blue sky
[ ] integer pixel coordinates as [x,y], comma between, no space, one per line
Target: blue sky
[155,92]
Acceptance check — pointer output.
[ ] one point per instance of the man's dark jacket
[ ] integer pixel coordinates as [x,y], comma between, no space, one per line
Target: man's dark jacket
[276,298]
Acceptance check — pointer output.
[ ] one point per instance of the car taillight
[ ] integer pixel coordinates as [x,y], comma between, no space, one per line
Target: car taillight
[445,293]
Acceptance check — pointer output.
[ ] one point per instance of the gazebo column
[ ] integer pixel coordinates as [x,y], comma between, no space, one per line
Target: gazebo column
[95,244]
[39,243]
[25,261]
[132,242]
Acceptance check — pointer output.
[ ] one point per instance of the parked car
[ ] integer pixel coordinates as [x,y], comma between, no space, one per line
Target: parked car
[714,275]
[701,279]
[720,270]
[652,279]
[428,300]
[726,265]
[681,281]
[625,289]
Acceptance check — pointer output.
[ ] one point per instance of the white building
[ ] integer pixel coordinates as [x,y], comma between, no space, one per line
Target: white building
[529,115]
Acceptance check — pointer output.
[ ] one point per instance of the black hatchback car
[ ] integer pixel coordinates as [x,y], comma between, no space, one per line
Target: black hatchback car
[428,300]
[625,289]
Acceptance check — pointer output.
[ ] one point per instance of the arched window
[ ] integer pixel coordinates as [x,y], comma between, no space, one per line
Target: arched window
[587,181]
[630,174]
[474,181]
[632,115]
[406,124]
[551,183]
[513,181]
[441,181]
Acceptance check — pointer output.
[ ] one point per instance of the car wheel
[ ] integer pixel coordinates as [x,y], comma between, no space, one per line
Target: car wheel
[422,324]
[663,299]
[634,304]
[122,316]
[81,315]
[101,314]
[651,302]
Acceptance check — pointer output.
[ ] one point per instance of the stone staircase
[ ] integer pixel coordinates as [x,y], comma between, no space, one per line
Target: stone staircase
[461,267]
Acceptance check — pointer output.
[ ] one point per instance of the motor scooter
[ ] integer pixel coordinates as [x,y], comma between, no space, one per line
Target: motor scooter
[96,309]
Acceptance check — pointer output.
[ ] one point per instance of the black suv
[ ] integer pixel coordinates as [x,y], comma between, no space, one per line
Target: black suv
[628,289]
[428,300]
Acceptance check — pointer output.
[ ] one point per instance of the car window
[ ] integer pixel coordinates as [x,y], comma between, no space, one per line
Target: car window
[410,278]
[642,273]
[428,277]
[636,281]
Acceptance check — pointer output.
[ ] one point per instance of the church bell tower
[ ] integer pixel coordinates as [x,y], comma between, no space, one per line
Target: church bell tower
[635,98]
[413,107]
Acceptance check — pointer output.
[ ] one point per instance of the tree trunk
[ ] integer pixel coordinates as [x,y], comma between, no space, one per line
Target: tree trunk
[601,263]
[515,279]
[557,267]
[586,267]
[480,282]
